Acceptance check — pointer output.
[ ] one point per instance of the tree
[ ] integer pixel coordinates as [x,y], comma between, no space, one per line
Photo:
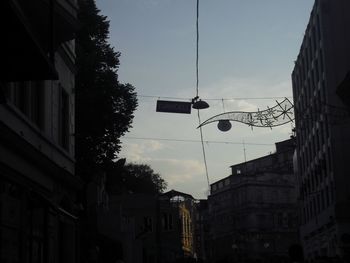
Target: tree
[136,178]
[145,178]
[104,107]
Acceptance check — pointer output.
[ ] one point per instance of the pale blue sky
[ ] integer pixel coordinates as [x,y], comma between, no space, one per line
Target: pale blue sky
[247,48]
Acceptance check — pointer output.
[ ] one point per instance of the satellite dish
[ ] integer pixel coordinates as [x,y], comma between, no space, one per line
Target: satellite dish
[224,125]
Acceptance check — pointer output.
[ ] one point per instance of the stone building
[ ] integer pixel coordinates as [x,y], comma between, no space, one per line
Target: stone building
[181,208]
[38,185]
[320,75]
[143,228]
[253,212]
[201,233]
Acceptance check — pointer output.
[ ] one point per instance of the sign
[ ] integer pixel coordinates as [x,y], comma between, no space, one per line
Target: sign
[174,106]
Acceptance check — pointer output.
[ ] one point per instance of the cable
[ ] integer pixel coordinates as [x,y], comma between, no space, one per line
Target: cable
[223,105]
[194,141]
[197,91]
[203,150]
[197,48]
[233,98]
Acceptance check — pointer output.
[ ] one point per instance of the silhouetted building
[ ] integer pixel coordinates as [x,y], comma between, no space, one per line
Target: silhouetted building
[38,185]
[322,130]
[202,229]
[141,228]
[253,212]
[181,208]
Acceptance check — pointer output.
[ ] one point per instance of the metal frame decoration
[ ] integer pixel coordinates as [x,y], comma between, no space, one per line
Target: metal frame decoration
[280,114]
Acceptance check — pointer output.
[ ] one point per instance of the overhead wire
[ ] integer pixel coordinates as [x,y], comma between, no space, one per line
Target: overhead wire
[195,141]
[197,92]
[219,99]
[197,49]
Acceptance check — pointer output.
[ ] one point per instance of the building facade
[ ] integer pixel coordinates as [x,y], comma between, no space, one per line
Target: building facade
[253,212]
[38,186]
[142,228]
[322,130]
[181,208]
[202,230]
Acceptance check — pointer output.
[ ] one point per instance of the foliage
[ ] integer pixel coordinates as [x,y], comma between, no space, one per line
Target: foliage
[104,107]
[136,178]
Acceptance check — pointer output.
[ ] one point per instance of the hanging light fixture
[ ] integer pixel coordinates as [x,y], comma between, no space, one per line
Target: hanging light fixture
[224,125]
[199,104]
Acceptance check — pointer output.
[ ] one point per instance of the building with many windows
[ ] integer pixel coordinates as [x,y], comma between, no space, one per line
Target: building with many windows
[178,210]
[201,232]
[322,130]
[253,212]
[38,185]
[143,227]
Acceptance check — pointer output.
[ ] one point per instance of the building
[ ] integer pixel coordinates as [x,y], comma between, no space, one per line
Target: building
[322,130]
[202,230]
[253,212]
[179,209]
[38,185]
[140,227]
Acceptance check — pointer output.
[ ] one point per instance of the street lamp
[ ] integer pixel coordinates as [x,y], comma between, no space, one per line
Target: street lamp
[199,104]
[224,125]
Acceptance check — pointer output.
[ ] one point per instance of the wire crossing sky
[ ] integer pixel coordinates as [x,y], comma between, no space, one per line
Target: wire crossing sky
[246,56]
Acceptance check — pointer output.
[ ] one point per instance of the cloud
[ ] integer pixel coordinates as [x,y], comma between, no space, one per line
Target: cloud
[247,87]
[243,105]
[179,171]
[182,175]
[137,152]
[151,3]
[186,176]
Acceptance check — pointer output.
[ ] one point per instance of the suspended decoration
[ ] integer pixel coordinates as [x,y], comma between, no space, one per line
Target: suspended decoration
[224,125]
[278,115]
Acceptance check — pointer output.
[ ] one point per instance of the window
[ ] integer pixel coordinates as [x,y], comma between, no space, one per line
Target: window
[332,192]
[66,241]
[261,220]
[10,222]
[28,97]
[259,196]
[21,98]
[37,234]
[167,221]
[147,224]
[279,219]
[322,199]
[37,103]
[63,119]
[327,196]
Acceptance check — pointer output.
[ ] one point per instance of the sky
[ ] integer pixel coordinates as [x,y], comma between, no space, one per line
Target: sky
[246,55]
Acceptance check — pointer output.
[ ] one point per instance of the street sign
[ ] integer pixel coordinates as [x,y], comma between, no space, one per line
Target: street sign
[174,106]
